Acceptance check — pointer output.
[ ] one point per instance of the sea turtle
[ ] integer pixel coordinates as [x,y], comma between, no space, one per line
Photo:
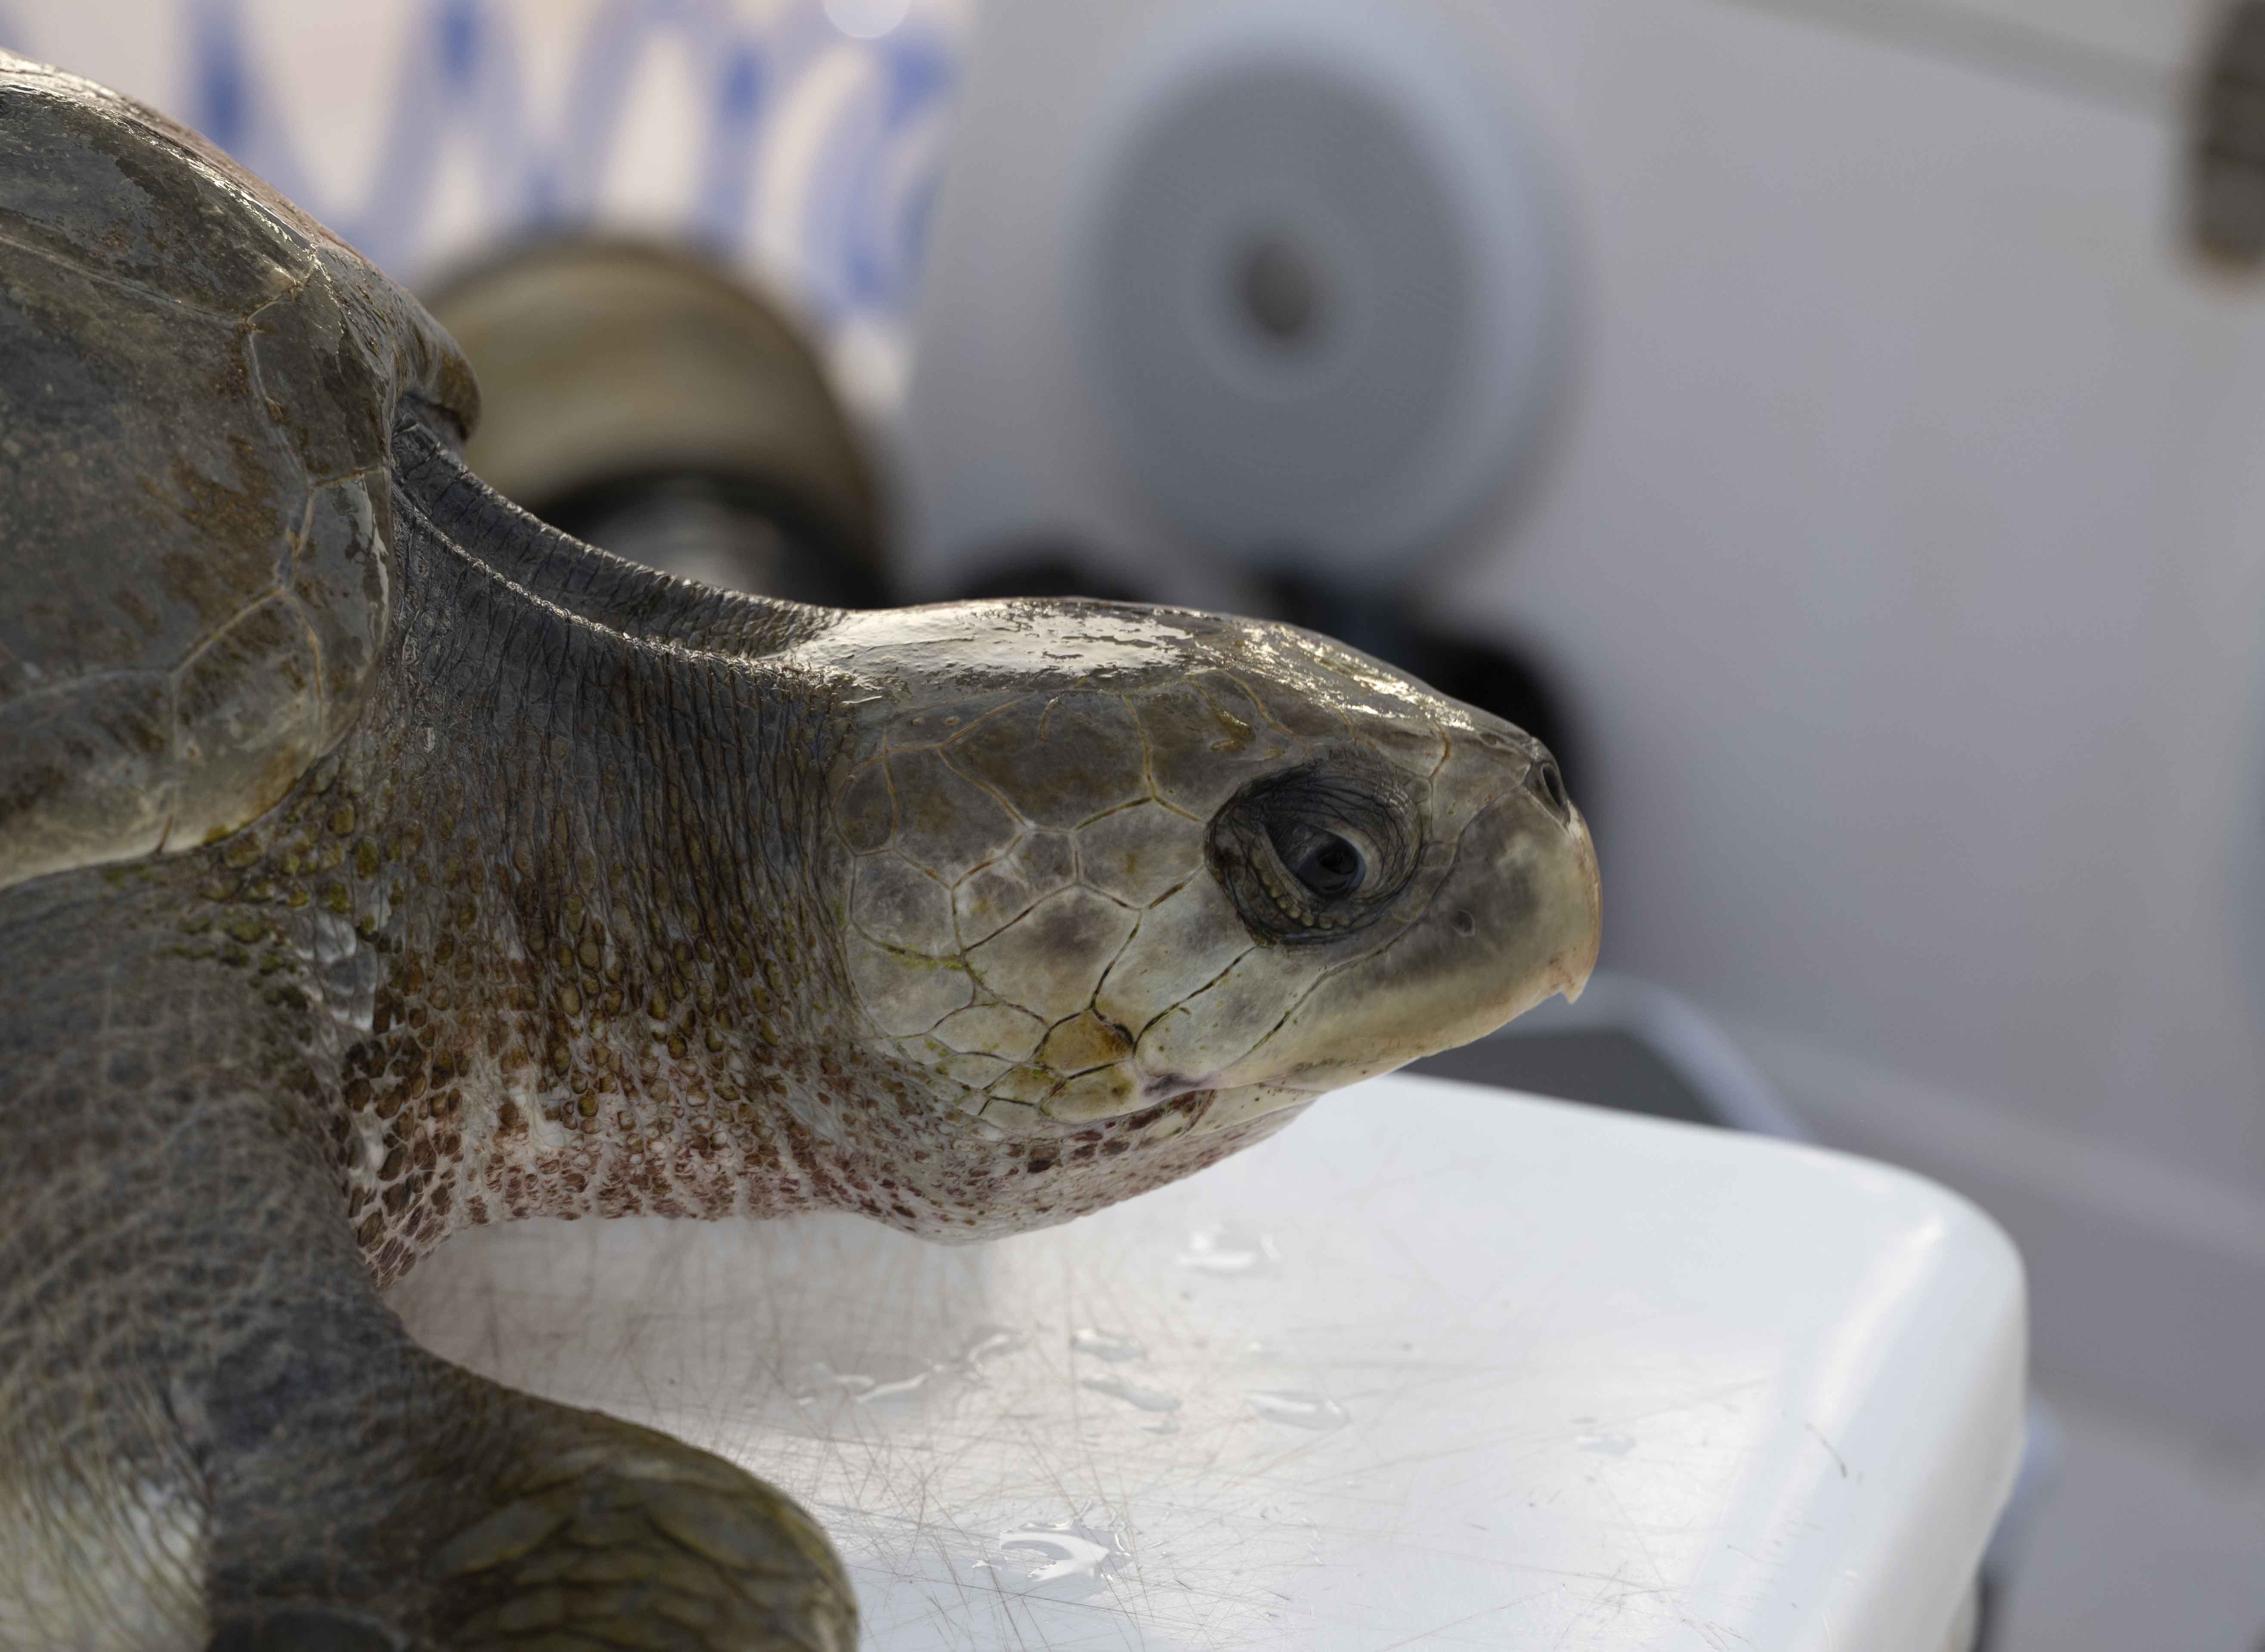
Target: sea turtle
[379,861]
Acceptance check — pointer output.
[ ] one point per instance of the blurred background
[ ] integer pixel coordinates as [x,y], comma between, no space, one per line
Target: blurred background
[1835,424]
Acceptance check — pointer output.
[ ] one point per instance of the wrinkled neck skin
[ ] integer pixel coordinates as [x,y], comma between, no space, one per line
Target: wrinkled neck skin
[568,897]
[602,897]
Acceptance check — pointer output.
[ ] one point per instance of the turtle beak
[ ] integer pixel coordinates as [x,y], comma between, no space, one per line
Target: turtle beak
[1516,920]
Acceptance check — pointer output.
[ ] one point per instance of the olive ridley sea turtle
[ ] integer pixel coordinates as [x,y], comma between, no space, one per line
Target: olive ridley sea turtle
[376,862]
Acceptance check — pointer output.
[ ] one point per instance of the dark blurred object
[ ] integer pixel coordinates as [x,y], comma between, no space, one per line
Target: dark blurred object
[1630,1047]
[1605,1068]
[2227,184]
[1484,674]
[641,398]
[725,531]
[1046,567]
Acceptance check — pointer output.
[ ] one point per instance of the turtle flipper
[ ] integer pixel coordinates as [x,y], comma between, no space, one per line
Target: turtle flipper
[367,1478]
[306,1629]
[215,1433]
[608,1535]
[569,1531]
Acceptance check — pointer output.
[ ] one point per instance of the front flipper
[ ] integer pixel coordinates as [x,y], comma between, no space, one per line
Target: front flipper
[308,1629]
[608,1535]
[214,1436]
[587,1534]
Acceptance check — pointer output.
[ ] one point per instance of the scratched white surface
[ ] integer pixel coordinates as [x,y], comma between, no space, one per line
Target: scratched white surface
[1438,1366]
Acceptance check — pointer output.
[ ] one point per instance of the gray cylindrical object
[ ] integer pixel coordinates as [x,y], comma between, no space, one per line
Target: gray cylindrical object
[1317,285]
[603,361]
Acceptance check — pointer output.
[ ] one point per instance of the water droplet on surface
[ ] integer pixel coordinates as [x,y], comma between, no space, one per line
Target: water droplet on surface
[1075,1551]
[1606,1445]
[1105,1344]
[983,1342]
[899,1389]
[826,1383]
[1230,1250]
[1300,1411]
[1133,1393]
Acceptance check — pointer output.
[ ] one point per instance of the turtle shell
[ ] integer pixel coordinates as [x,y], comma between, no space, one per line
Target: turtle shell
[198,388]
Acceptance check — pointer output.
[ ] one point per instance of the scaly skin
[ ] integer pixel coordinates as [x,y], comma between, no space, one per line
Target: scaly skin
[215,1069]
[466,873]
[558,930]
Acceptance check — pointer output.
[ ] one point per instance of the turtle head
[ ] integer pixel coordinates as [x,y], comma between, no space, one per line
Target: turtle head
[1170,873]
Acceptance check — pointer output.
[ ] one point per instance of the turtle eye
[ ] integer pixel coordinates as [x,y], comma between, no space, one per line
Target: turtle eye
[1315,851]
[1326,862]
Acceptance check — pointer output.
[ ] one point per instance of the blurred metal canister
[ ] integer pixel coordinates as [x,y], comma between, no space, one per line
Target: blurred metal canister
[641,398]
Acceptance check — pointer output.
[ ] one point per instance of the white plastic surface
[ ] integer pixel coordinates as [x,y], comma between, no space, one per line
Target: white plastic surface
[1438,1366]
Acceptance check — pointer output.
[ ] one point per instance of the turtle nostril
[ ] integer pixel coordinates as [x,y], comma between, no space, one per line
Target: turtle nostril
[1547,782]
